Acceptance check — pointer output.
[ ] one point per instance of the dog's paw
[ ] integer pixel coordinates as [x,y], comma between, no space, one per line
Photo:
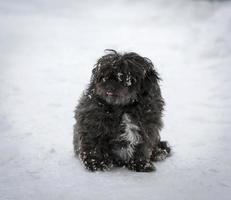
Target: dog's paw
[105,165]
[92,164]
[160,154]
[141,166]
[164,145]
[96,162]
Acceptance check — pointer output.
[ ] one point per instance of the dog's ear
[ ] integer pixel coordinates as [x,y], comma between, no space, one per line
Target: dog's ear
[93,75]
[150,81]
[94,71]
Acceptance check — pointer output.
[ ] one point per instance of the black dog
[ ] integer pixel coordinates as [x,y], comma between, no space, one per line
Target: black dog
[119,116]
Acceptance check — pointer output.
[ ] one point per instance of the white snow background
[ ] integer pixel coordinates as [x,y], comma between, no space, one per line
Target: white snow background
[47,52]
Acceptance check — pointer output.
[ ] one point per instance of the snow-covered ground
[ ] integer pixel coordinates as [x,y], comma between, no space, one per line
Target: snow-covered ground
[47,50]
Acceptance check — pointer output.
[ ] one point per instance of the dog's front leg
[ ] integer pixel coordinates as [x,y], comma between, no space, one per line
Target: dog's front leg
[94,157]
[140,161]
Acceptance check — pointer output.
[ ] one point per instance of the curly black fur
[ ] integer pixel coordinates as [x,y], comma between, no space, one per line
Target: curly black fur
[118,118]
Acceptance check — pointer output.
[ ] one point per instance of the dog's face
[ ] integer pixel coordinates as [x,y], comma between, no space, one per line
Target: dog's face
[116,86]
[121,79]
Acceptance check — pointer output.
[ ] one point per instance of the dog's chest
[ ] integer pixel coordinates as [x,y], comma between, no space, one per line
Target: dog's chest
[128,138]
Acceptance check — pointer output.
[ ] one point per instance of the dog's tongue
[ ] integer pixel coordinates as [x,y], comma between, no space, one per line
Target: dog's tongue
[110,93]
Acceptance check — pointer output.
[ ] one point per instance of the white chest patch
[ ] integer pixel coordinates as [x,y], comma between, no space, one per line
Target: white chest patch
[131,135]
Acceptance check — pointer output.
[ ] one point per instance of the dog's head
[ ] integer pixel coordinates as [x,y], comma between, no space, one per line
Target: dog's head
[123,78]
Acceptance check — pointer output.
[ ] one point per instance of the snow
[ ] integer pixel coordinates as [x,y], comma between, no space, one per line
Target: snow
[128,79]
[119,76]
[47,52]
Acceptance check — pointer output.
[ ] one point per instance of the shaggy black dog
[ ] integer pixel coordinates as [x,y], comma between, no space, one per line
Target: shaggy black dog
[119,115]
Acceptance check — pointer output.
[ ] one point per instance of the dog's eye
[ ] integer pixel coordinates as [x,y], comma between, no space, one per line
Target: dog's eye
[102,79]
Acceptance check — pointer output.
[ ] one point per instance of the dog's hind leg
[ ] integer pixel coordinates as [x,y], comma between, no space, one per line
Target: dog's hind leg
[165,146]
[161,152]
